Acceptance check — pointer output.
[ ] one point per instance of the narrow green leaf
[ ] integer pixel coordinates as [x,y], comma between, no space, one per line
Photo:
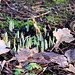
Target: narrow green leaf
[14,42]
[11,25]
[40,36]
[46,45]
[35,40]
[18,48]
[8,44]
[14,50]
[48,34]
[17,34]
[42,46]
[22,36]
[37,44]
[53,41]
[27,25]
[6,37]
[27,46]
[50,42]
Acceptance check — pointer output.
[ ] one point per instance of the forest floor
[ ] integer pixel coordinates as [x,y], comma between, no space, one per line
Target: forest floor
[37,37]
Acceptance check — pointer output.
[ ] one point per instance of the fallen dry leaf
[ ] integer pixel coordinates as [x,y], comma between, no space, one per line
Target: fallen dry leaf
[44,58]
[33,50]
[3,47]
[71,68]
[23,54]
[56,58]
[61,60]
[63,35]
[70,54]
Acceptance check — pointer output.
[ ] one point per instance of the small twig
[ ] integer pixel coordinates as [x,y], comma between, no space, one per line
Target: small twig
[38,3]
[37,16]
[56,46]
[35,24]
[52,49]
[42,71]
[42,14]
[60,50]
[72,43]
[49,26]
[19,18]
[28,12]
[72,33]
[40,11]
[15,10]
[33,7]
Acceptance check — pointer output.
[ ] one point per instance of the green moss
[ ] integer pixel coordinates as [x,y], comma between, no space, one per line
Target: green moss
[19,24]
[48,3]
[4,24]
[57,19]
[28,2]
[30,23]
[53,19]
[60,1]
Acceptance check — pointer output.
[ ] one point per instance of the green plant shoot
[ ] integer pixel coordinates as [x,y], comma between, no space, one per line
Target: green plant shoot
[8,44]
[11,25]
[18,71]
[6,37]
[32,66]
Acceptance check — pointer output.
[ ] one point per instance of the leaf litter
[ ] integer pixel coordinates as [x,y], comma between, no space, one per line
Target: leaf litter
[3,48]
[25,57]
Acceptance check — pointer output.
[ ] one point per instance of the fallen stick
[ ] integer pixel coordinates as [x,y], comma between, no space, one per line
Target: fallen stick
[38,3]
[42,14]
